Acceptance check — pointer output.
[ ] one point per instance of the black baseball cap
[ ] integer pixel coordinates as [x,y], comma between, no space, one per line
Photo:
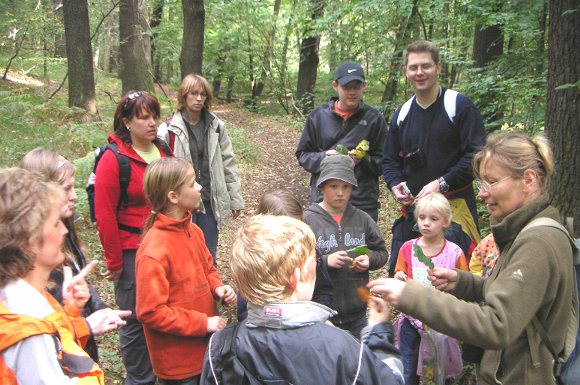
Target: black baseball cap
[349,71]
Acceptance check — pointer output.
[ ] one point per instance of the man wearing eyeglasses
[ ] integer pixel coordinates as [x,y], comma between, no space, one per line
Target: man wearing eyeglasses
[430,144]
[340,125]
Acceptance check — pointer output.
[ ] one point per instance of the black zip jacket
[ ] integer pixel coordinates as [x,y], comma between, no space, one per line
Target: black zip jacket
[325,129]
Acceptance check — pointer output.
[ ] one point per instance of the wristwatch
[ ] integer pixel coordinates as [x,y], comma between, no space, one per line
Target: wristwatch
[443,186]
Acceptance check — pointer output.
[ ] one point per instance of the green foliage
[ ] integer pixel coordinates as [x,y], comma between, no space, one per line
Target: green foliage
[243,147]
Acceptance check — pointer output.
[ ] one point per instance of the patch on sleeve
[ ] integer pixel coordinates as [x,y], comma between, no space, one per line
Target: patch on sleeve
[518,275]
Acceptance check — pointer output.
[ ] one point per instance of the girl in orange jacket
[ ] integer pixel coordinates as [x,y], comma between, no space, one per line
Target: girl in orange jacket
[177,284]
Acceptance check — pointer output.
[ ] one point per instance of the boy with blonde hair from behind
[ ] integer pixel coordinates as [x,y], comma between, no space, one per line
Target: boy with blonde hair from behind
[285,338]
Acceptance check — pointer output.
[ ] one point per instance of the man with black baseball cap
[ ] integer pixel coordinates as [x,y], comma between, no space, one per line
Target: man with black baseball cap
[345,121]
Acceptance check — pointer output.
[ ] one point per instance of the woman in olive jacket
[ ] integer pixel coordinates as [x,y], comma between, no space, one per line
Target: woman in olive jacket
[196,134]
[532,279]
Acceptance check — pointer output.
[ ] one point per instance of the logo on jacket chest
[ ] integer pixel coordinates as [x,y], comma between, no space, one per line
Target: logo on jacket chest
[325,245]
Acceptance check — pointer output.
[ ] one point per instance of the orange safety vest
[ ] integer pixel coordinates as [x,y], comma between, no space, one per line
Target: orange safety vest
[73,360]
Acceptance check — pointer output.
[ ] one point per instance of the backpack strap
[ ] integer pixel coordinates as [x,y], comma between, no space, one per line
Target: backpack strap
[449,101]
[572,327]
[167,147]
[124,175]
[405,110]
[225,339]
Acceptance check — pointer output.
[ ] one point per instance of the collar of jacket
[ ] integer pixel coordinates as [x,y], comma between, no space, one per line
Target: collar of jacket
[359,109]
[505,231]
[287,315]
[163,222]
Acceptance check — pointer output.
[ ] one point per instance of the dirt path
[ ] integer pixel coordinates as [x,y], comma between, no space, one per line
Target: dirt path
[277,168]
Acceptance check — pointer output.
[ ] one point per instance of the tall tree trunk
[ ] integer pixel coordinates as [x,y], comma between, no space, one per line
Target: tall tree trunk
[107,47]
[156,22]
[134,46]
[488,46]
[390,92]
[542,20]
[308,67]
[562,112]
[193,37]
[81,82]
[59,39]
[266,69]
[217,79]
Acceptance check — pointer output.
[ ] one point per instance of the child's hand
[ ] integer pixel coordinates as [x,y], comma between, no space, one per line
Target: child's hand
[338,260]
[379,311]
[362,263]
[215,323]
[401,276]
[227,293]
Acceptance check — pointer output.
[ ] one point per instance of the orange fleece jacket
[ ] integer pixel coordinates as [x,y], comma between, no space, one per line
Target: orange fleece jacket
[175,280]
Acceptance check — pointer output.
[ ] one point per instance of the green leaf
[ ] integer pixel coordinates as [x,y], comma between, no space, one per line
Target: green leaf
[341,149]
[360,250]
[421,257]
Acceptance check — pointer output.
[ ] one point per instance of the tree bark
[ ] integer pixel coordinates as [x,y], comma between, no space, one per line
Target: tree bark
[266,70]
[156,22]
[81,82]
[309,58]
[193,37]
[562,112]
[134,46]
[488,46]
[390,91]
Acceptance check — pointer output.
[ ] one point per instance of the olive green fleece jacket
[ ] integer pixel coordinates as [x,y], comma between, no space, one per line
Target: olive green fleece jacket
[533,277]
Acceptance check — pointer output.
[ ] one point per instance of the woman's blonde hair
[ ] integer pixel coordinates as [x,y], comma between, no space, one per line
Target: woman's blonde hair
[55,168]
[434,201]
[50,164]
[26,201]
[280,202]
[518,153]
[265,253]
[162,176]
[188,84]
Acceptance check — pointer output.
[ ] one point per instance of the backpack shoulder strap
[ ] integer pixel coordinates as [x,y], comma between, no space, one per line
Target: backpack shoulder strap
[124,174]
[224,343]
[405,110]
[450,103]
[572,327]
[166,147]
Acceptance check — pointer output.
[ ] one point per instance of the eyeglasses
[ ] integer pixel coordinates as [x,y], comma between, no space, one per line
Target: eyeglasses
[424,67]
[196,95]
[486,186]
[132,96]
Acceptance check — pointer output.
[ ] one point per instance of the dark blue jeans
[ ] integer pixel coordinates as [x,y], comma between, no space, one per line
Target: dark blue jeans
[410,341]
[208,225]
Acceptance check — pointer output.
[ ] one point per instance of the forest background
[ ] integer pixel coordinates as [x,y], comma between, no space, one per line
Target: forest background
[65,64]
